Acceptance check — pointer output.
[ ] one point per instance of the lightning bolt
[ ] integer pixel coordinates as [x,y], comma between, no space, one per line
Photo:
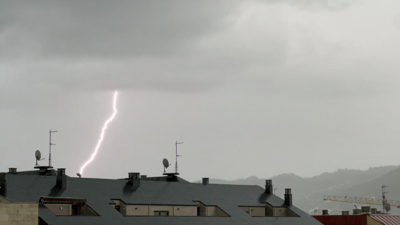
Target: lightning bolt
[103,131]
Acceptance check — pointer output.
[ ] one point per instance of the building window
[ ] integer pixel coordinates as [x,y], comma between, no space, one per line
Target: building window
[118,208]
[160,213]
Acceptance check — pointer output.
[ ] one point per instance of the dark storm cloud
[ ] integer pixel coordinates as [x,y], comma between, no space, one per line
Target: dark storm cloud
[266,79]
[179,46]
[110,29]
[97,45]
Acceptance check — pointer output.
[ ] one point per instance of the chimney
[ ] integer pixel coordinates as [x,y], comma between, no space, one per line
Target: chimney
[373,210]
[205,180]
[3,184]
[345,213]
[288,197]
[61,179]
[325,212]
[12,170]
[134,179]
[269,188]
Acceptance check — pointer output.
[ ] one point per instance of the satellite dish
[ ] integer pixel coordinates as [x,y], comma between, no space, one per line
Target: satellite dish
[166,163]
[38,155]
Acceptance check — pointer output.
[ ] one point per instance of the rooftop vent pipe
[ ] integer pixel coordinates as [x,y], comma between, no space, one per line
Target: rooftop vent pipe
[134,179]
[61,179]
[288,197]
[206,180]
[345,213]
[12,170]
[269,188]
[325,212]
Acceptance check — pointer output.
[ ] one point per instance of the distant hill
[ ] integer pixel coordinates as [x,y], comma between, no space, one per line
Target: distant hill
[308,193]
[373,188]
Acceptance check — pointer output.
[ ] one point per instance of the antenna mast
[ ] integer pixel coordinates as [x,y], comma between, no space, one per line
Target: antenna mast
[50,144]
[176,155]
[384,200]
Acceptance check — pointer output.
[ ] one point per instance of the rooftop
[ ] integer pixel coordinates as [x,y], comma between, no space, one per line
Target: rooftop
[100,195]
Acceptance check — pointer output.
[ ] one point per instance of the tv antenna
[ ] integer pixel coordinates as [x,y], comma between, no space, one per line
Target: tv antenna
[50,144]
[176,156]
[38,156]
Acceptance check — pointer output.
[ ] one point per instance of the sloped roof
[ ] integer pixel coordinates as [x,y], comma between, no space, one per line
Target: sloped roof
[100,192]
[360,219]
[386,219]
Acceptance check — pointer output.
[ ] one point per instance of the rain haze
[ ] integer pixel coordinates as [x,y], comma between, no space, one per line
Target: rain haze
[251,87]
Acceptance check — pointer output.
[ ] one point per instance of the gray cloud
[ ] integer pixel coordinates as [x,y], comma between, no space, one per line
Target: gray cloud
[264,79]
[167,46]
[88,29]
[123,44]
[318,4]
[396,21]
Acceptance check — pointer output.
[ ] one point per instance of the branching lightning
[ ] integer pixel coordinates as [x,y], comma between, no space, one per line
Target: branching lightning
[103,130]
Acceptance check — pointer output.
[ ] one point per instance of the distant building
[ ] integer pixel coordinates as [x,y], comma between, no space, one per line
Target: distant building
[61,199]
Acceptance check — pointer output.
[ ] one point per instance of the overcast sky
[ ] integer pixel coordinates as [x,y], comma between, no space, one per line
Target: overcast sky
[251,87]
